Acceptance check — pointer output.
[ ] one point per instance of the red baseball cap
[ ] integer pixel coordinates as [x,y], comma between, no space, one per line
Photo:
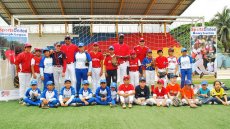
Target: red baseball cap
[95,44]
[126,77]
[133,53]
[159,50]
[171,50]
[142,40]
[27,45]
[37,49]
[161,81]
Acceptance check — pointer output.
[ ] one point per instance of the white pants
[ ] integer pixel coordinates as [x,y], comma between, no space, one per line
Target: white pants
[122,71]
[164,78]
[129,99]
[152,101]
[24,82]
[150,77]
[139,101]
[58,79]
[134,78]
[191,100]
[70,74]
[199,67]
[95,78]
[38,79]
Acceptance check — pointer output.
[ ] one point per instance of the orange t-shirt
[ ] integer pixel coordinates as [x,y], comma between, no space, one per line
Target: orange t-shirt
[173,90]
[187,92]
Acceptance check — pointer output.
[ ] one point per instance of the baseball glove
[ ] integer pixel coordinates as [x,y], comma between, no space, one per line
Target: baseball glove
[33,97]
[102,95]
[176,101]
[16,82]
[162,74]
[114,61]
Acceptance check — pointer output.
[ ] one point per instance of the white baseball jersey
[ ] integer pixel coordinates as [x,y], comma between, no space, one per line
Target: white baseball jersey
[114,94]
[198,53]
[172,63]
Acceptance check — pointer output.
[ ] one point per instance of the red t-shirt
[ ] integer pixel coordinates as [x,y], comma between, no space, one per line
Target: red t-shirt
[36,63]
[69,51]
[173,90]
[10,55]
[141,52]
[24,60]
[134,64]
[108,63]
[125,88]
[96,59]
[121,50]
[160,93]
[161,62]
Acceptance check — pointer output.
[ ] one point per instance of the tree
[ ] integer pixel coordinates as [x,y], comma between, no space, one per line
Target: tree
[222,22]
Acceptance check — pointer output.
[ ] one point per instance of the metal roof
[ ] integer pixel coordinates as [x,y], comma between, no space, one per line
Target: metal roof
[92,7]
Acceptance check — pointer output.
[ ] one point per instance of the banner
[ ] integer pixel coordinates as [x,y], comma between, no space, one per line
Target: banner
[203,51]
[12,42]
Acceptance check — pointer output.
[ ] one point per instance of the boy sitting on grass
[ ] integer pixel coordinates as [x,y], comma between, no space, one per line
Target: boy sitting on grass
[67,94]
[32,96]
[114,95]
[204,93]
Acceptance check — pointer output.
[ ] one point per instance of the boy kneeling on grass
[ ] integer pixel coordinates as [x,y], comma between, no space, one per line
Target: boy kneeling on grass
[103,94]
[219,95]
[32,96]
[85,95]
[187,95]
[204,93]
[49,96]
[67,94]
[126,92]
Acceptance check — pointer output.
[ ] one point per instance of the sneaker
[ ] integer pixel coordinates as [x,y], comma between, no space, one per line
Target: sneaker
[56,105]
[78,104]
[123,106]
[45,106]
[201,75]
[199,103]
[20,101]
[130,105]
[93,103]
[73,104]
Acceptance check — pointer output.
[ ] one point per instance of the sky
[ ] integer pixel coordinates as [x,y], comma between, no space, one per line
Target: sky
[207,8]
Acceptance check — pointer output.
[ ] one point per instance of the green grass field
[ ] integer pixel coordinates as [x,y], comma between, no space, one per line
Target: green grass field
[15,116]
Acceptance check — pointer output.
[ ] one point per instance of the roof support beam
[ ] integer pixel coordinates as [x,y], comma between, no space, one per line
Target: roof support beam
[60,4]
[120,8]
[91,7]
[5,9]
[175,9]
[31,6]
[149,7]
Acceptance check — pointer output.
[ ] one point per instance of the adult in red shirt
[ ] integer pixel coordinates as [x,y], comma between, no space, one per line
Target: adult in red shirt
[35,61]
[161,66]
[10,55]
[97,65]
[122,52]
[141,50]
[69,50]
[110,67]
[126,92]
[24,62]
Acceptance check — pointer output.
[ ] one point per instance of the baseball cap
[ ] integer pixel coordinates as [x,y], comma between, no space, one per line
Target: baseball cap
[111,47]
[149,51]
[95,44]
[171,50]
[183,49]
[33,82]
[85,82]
[113,84]
[126,77]
[142,40]
[67,80]
[102,81]
[188,82]
[142,79]
[173,75]
[57,43]
[27,45]
[133,53]
[37,49]
[204,83]
[161,81]
[121,35]
[49,83]
[67,37]
[45,49]
[80,44]
[159,50]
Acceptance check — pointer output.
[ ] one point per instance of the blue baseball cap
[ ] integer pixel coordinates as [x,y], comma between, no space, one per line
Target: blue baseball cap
[113,84]
[102,81]
[183,49]
[204,83]
[33,82]
[111,47]
[188,82]
[142,79]
[45,49]
[49,83]
[85,82]
[80,44]
[67,80]
[173,75]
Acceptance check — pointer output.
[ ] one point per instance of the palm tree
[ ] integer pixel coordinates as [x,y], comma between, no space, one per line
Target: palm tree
[222,22]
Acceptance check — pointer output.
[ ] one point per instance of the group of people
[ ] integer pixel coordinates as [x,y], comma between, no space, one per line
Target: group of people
[74,64]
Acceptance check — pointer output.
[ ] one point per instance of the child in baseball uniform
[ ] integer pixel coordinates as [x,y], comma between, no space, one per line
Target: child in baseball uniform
[204,93]
[49,96]
[142,93]
[219,95]
[35,67]
[173,89]
[103,94]
[114,95]
[86,95]
[188,97]
[126,92]
[172,63]
[160,94]
[32,96]
[134,65]
[46,68]
[67,94]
